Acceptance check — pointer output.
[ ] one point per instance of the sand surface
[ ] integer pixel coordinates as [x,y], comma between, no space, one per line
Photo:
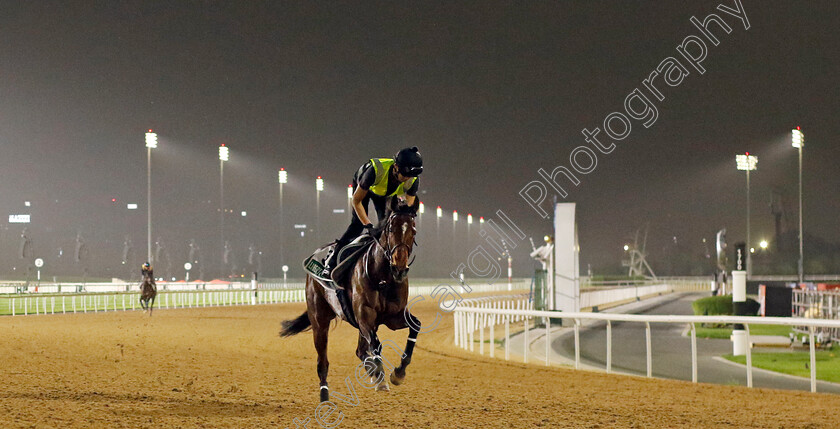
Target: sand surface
[227,367]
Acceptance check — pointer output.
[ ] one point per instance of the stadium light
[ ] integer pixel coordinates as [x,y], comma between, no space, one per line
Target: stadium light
[798,141]
[747,162]
[282,178]
[151,143]
[224,155]
[422,208]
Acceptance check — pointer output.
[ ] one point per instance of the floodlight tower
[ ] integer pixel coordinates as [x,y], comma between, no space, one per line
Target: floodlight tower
[282,179]
[747,162]
[151,143]
[319,186]
[224,155]
[798,141]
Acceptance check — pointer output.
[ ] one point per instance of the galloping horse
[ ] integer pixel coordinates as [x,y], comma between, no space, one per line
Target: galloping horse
[148,288]
[378,290]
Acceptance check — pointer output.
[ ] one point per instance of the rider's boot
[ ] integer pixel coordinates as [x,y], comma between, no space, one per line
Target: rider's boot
[329,262]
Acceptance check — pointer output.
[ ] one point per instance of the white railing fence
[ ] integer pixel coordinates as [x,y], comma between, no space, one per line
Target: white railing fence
[479,314]
[84,303]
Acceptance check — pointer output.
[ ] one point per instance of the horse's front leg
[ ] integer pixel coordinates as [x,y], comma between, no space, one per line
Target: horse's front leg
[373,359]
[400,321]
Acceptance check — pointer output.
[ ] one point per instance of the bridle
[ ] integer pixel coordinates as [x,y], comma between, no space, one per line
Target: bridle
[388,248]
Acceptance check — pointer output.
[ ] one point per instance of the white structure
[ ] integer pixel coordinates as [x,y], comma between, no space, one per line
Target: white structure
[566,259]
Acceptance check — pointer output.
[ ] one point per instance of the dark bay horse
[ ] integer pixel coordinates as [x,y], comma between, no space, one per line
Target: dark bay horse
[378,289]
[148,288]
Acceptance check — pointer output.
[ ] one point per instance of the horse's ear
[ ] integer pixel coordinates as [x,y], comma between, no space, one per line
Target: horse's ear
[394,204]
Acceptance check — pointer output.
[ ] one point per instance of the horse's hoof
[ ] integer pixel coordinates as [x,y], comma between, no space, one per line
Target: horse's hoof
[396,381]
[383,387]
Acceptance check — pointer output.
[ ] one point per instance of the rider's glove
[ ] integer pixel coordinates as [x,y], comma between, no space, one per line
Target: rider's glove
[368,228]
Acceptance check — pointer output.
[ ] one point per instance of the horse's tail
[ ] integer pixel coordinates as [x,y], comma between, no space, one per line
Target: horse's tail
[295,326]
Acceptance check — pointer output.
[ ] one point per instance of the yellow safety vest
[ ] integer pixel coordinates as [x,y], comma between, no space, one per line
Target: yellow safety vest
[381,166]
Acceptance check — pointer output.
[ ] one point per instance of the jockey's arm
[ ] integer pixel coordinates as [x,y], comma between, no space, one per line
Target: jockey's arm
[409,199]
[358,197]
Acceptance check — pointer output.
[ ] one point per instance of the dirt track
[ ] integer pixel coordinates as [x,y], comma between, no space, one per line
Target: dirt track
[226,367]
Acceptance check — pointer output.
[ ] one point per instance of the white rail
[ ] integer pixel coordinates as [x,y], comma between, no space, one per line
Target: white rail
[94,303]
[476,315]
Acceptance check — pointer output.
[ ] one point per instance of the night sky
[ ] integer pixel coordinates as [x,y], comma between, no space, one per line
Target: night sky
[489,91]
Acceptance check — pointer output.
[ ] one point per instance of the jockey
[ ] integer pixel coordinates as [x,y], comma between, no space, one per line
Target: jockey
[378,180]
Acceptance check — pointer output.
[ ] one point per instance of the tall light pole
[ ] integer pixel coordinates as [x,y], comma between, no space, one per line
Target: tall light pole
[350,200]
[224,155]
[282,179]
[421,208]
[454,220]
[798,141]
[151,143]
[747,163]
[469,225]
[319,186]
[439,215]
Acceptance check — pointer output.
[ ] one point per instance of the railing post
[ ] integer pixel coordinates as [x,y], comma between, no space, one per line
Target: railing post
[577,344]
[693,353]
[749,355]
[525,346]
[481,334]
[493,337]
[813,359]
[647,341]
[455,321]
[471,329]
[507,337]
[547,341]
[609,346]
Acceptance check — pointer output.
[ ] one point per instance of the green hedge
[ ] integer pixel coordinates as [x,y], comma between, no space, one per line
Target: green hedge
[721,305]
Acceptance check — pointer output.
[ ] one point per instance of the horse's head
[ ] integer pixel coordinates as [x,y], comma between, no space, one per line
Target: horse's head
[398,237]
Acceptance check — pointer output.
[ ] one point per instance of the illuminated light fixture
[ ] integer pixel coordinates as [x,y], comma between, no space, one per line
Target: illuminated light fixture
[746,162]
[224,153]
[282,176]
[439,212]
[797,138]
[151,140]
[319,184]
[131,206]
[481,219]
[422,208]
[244,213]
[763,244]
[626,247]
[454,215]
[469,219]
[349,192]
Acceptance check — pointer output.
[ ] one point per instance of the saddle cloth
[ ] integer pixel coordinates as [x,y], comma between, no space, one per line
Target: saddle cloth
[337,296]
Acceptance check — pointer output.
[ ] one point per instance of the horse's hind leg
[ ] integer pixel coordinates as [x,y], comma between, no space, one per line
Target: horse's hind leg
[320,315]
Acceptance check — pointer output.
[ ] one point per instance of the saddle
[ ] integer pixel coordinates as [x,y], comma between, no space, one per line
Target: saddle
[337,296]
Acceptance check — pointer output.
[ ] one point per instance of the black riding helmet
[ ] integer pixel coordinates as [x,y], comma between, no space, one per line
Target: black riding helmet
[409,162]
